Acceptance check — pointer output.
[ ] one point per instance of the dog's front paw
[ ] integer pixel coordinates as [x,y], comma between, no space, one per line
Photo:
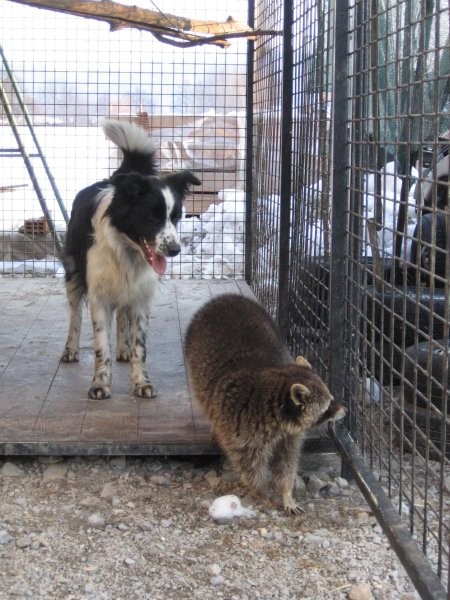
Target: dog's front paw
[146,390]
[123,354]
[70,355]
[99,392]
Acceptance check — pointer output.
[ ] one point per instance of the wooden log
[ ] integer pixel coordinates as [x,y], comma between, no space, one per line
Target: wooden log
[120,16]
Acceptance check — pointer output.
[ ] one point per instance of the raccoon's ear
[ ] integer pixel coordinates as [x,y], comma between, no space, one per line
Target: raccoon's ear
[302,362]
[299,394]
[181,181]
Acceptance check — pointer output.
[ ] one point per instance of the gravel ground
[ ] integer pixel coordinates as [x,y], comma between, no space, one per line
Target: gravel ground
[118,528]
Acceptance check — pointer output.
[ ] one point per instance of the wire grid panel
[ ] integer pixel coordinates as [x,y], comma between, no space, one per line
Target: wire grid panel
[398,251]
[267,98]
[72,73]
[311,182]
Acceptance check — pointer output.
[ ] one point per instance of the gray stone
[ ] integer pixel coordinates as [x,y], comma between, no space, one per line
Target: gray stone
[5,538]
[160,480]
[24,541]
[54,472]
[315,484]
[341,482]
[214,569]
[118,462]
[10,469]
[109,490]
[360,592]
[96,521]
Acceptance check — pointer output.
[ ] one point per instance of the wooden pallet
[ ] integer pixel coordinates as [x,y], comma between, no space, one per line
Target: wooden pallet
[44,407]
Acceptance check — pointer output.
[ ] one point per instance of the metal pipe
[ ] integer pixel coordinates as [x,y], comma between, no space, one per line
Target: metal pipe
[249,152]
[286,171]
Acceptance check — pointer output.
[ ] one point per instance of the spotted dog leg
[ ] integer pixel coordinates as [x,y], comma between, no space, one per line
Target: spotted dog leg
[72,347]
[141,384]
[123,335]
[101,382]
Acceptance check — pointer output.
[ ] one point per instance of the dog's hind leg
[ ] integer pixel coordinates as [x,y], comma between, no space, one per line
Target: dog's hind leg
[72,347]
[123,335]
[140,380]
[101,321]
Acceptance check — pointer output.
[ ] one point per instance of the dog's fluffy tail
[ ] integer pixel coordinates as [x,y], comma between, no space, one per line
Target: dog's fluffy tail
[138,149]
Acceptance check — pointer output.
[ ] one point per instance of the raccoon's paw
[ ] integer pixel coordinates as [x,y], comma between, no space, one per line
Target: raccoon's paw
[99,392]
[290,505]
[294,509]
[146,390]
[69,355]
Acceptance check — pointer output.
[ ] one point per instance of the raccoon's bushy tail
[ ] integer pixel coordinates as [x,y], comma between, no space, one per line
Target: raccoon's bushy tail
[138,149]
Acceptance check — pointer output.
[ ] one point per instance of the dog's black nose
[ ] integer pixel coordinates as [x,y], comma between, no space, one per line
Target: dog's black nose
[174,249]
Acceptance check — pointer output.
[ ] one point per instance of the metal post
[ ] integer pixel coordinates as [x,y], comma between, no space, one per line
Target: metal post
[286,170]
[339,205]
[249,152]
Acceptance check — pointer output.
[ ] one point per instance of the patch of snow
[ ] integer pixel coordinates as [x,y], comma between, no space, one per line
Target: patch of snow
[228,507]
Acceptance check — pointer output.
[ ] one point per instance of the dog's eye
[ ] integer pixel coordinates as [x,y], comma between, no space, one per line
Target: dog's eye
[175,215]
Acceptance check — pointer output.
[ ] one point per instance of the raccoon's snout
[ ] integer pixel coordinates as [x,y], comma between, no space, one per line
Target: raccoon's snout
[334,412]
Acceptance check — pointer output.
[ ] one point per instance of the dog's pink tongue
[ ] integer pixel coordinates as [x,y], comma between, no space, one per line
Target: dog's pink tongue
[159,263]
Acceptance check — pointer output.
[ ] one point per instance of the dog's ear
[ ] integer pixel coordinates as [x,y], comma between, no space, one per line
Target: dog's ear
[129,185]
[180,182]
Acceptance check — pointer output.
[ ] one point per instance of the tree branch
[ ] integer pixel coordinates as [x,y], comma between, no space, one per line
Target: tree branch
[163,26]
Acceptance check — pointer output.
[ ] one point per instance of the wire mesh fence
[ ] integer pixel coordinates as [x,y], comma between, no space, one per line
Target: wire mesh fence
[368,235]
[399,267]
[61,76]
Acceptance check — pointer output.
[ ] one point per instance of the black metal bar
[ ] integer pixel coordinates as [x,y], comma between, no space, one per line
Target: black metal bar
[249,151]
[286,170]
[415,562]
[338,264]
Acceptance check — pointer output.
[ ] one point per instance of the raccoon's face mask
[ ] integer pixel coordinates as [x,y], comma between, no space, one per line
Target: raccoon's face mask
[313,402]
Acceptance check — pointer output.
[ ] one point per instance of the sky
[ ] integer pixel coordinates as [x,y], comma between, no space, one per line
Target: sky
[24,30]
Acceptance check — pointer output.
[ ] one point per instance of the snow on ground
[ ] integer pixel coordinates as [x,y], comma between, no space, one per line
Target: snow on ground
[213,244]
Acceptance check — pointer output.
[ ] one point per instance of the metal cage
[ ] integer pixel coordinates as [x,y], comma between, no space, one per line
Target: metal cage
[350,240]
[324,157]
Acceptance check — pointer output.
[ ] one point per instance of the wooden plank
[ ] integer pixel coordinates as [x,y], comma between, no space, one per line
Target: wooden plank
[169,415]
[20,306]
[28,375]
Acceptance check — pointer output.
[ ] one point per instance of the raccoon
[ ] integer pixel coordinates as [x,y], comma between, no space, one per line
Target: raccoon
[258,399]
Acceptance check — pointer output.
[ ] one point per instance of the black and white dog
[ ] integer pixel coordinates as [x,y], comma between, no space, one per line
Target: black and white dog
[120,232]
